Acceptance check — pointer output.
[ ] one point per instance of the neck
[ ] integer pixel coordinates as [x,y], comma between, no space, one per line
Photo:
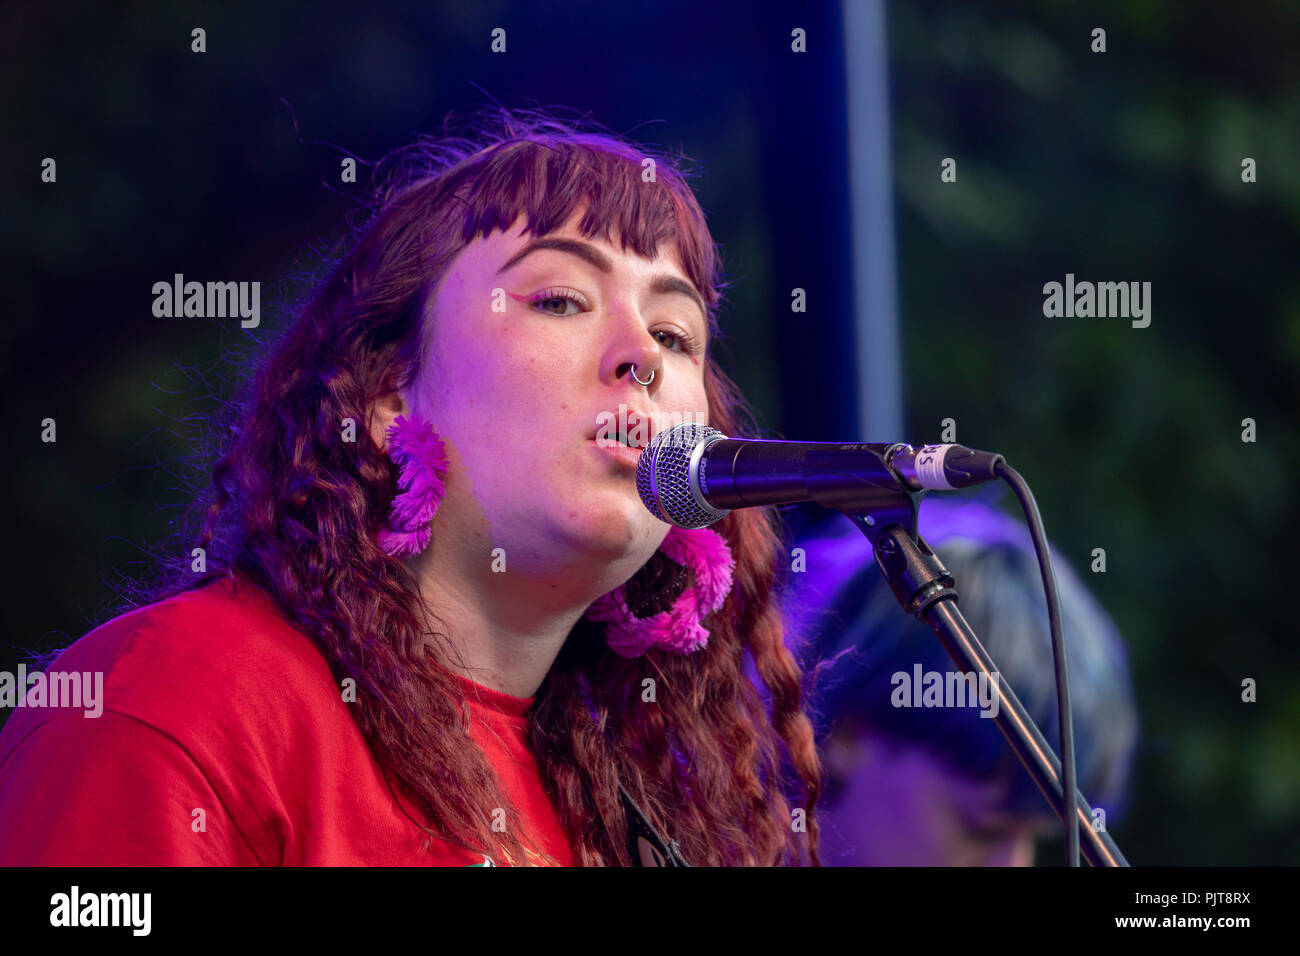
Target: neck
[505,628]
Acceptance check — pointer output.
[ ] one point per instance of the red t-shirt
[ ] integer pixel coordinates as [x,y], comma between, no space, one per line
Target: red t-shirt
[224,740]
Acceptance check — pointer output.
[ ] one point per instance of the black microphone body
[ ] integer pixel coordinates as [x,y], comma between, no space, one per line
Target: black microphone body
[692,475]
[744,473]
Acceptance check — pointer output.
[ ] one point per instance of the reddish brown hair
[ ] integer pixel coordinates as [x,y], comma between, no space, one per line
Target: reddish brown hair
[297,510]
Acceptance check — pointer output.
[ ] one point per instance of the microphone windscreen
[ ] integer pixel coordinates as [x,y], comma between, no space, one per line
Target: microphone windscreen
[663,475]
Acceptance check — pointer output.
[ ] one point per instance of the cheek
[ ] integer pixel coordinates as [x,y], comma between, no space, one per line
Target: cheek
[688,399]
[501,395]
[474,362]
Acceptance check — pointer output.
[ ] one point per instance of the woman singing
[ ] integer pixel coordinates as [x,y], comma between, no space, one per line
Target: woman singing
[426,618]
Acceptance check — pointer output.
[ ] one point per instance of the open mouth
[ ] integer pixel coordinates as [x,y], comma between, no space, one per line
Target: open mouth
[617,441]
[631,431]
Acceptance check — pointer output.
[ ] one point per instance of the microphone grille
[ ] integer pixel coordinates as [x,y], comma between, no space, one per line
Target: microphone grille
[663,475]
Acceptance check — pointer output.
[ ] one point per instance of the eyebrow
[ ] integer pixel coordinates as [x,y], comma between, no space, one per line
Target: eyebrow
[583,250]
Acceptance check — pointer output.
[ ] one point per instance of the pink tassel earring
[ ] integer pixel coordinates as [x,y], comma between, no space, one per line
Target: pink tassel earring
[706,555]
[422,462]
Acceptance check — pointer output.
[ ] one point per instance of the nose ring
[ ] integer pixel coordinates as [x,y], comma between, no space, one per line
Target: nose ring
[638,381]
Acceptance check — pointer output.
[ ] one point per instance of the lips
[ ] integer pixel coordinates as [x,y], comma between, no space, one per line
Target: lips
[635,429]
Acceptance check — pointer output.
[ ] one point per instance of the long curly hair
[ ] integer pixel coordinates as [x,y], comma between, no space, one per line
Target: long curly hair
[296,509]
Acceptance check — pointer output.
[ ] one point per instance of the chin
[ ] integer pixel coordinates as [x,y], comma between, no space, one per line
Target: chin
[600,524]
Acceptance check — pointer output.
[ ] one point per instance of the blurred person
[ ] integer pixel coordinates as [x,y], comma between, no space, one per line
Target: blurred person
[939,785]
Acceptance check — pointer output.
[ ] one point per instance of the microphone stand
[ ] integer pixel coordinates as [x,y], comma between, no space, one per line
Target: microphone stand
[886,514]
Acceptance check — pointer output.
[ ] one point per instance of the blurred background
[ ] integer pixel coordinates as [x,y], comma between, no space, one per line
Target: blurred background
[819,170]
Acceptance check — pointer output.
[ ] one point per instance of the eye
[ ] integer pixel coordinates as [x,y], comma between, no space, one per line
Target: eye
[548,297]
[556,300]
[684,340]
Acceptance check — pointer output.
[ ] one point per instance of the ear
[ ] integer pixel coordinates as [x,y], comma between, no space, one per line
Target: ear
[383,412]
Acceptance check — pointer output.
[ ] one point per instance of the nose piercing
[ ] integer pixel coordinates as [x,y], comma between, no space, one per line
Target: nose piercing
[638,381]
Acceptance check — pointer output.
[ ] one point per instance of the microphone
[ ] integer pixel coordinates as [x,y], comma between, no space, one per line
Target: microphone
[692,475]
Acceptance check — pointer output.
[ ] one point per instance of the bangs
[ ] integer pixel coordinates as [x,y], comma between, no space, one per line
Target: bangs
[547,180]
